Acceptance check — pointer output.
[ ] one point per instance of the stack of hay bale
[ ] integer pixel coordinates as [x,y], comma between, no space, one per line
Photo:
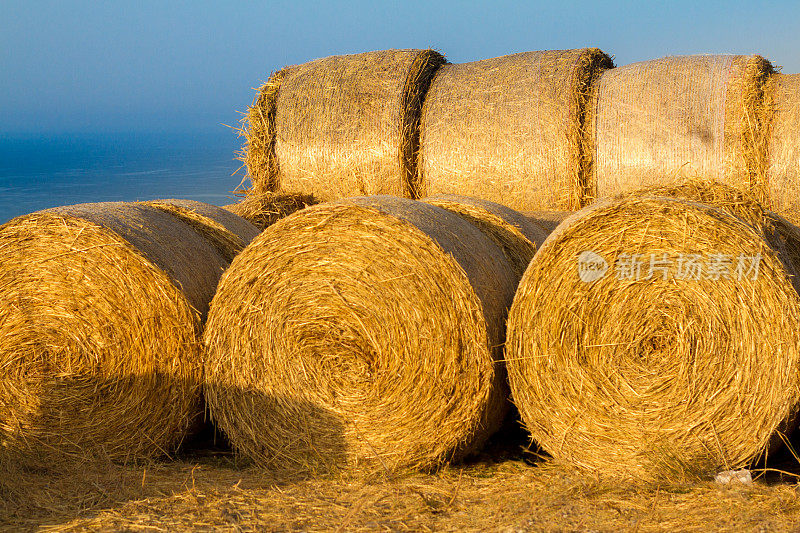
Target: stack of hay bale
[559,130]
[366,325]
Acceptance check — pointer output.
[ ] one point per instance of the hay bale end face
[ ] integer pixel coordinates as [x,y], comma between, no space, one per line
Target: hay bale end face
[698,116]
[365,333]
[341,125]
[636,342]
[511,129]
[264,209]
[99,327]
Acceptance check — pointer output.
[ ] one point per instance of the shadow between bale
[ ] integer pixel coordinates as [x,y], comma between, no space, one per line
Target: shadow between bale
[39,488]
[387,312]
[265,208]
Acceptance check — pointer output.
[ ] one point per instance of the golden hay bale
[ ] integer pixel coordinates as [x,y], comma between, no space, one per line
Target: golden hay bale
[511,129]
[228,234]
[340,125]
[733,201]
[362,333]
[657,338]
[697,116]
[548,220]
[100,315]
[266,208]
[784,148]
[517,235]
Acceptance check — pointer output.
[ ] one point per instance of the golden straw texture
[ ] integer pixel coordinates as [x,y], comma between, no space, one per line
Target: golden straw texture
[672,353]
[264,209]
[784,149]
[365,333]
[100,317]
[691,116]
[511,129]
[340,125]
[228,233]
[517,235]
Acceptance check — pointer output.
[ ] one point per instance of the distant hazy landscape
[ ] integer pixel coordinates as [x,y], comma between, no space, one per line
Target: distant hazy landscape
[37,172]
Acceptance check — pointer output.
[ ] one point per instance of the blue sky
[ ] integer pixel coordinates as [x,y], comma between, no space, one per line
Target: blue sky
[92,66]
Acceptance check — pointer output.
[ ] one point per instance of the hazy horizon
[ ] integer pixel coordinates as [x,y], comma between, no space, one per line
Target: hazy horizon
[80,66]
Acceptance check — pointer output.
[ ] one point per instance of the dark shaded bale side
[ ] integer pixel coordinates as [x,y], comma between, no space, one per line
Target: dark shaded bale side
[517,235]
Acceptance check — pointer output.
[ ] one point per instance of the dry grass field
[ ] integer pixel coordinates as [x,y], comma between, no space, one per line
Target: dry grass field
[506,489]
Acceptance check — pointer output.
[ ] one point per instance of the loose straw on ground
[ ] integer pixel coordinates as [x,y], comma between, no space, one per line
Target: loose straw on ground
[365,333]
[100,315]
[657,338]
[341,125]
[703,116]
[511,129]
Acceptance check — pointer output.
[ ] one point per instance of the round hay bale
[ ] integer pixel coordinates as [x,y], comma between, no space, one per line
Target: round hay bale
[365,333]
[100,316]
[264,209]
[784,148]
[692,116]
[340,125]
[517,235]
[548,220]
[733,201]
[228,232]
[511,129]
[636,342]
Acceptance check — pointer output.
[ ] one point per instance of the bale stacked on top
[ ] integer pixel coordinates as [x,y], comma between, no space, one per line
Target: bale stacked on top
[784,148]
[657,338]
[340,125]
[696,116]
[511,129]
[362,333]
[100,308]
[264,209]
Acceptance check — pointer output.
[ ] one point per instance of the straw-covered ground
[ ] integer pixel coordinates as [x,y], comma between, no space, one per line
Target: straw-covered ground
[503,490]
